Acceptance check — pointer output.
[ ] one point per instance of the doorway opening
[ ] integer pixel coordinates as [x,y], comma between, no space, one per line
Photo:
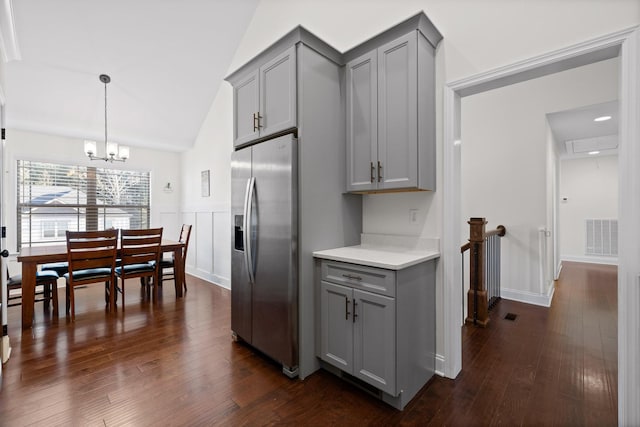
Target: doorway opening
[626,45]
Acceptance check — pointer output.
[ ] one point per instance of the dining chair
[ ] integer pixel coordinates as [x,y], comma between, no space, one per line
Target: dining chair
[139,257]
[169,263]
[91,256]
[47,280]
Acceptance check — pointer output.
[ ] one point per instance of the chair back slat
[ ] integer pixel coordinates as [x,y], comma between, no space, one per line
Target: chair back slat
[140,241]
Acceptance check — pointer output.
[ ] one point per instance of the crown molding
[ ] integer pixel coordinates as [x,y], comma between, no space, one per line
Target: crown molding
[8,37]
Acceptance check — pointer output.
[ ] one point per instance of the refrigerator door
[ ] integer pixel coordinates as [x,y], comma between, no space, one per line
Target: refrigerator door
[240,284]
[275,296]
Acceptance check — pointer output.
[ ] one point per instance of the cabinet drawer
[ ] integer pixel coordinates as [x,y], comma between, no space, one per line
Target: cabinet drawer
[371,279]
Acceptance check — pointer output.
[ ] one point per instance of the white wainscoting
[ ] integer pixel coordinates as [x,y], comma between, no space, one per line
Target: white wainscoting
[209,256]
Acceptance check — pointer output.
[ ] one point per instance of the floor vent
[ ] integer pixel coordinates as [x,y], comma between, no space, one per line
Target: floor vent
[511,316]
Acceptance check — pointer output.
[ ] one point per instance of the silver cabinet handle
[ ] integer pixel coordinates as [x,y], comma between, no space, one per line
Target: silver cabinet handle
[259,118]
[379,171]
[352,277]
[354,310]
[346,308]
[373,171]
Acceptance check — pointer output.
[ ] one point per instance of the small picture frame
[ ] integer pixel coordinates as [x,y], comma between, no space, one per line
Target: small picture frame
[204,184]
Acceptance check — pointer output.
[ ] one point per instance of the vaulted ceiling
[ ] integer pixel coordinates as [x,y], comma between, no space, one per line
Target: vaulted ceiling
[166,59]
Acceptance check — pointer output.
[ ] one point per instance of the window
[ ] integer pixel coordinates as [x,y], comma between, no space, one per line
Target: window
[53,229]
[54,198]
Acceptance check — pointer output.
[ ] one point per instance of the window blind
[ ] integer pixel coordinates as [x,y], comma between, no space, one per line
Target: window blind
[53,198]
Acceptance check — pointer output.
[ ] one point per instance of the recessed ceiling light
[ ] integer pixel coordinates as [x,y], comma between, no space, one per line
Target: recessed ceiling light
[594,152]
[602,119]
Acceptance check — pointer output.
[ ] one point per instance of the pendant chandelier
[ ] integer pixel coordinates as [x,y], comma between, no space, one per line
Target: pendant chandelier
[112,153]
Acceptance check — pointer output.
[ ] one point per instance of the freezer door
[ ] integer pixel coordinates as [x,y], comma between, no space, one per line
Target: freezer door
[240,285]
[275,296]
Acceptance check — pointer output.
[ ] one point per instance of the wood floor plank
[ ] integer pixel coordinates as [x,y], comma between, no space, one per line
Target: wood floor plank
[173,362]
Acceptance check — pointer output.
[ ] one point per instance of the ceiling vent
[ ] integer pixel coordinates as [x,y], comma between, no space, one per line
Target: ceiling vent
[600,143]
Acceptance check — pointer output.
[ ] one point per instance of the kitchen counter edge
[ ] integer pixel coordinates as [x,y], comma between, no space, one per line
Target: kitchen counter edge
[377,257]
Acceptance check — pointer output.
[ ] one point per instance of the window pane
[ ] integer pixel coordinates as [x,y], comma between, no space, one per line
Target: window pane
[54,198]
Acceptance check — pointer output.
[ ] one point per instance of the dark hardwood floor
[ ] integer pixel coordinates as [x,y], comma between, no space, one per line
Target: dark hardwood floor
[173,363]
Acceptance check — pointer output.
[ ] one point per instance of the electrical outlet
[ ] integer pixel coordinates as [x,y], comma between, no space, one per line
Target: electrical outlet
[413,216]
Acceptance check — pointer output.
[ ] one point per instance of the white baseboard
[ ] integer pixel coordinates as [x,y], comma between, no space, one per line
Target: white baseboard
[223,282]
[440,365]
[529,297]
[590,259]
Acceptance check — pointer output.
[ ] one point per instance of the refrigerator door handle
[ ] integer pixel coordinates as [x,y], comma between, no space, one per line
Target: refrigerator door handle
[248,211]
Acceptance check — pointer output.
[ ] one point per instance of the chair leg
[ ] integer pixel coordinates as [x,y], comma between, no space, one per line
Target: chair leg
[184,279]
[67,299]
[156,285]
[54,297]
[73,305]
[46,290]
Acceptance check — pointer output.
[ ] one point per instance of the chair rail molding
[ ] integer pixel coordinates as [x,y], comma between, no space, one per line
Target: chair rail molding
[626,44]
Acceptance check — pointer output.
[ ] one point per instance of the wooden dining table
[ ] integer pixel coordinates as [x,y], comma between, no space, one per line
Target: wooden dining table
[31,257]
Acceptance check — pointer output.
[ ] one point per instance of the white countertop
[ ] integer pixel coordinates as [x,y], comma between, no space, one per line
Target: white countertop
[383,251]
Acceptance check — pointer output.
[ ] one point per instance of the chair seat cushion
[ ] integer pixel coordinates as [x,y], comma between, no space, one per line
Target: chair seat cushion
[59,267]
[90,273]
[41,277]
[47,275]
[166,263]
[135,268]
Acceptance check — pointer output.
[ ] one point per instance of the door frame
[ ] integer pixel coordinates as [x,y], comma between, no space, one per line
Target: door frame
[626,45]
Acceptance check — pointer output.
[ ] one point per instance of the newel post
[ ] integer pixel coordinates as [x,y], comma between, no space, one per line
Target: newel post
[477,310]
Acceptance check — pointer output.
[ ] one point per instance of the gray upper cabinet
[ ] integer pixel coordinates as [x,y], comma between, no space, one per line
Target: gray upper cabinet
[264,100]
[245,102]
[391,117]
[398,113]
[362,122]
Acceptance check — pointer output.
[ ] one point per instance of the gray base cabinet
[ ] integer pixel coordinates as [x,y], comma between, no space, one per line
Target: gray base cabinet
[356,326]
[377,326]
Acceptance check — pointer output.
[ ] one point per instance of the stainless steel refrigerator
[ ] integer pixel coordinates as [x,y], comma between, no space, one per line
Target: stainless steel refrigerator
[264,282]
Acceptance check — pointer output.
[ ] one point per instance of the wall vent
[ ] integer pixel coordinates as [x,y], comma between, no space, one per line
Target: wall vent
[601,237]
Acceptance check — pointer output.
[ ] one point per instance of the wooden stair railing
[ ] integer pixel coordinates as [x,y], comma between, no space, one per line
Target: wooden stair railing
[477,297]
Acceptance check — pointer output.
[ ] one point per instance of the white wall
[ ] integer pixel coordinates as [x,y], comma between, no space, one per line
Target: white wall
[478,36]
[507,170]
[163,165]
[591,188]
[210,247]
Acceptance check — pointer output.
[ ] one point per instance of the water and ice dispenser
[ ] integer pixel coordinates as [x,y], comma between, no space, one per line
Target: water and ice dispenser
[238,235]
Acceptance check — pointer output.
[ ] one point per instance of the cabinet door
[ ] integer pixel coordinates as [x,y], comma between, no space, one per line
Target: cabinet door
[362,123]
[374,349]
[245,106]
[278,93]
[336,325]
[398,113]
